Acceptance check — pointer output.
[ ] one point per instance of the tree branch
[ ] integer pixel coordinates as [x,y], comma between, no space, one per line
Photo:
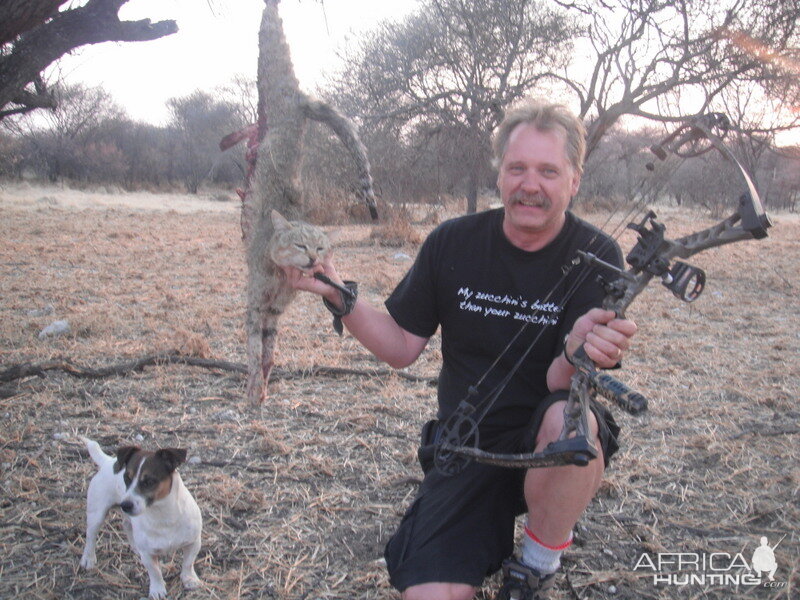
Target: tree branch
[23,370]
[93,23]
[19,16]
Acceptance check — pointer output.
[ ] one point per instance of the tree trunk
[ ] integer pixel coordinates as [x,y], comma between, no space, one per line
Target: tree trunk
[472,192]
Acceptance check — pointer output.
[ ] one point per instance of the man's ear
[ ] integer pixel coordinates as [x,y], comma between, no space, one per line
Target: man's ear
[576,184]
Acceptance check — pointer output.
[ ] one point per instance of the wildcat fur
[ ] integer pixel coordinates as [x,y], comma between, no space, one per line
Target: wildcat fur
[293,243]
[275,147]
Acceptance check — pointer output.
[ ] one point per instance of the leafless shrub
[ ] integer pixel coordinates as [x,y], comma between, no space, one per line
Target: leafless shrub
[397,230]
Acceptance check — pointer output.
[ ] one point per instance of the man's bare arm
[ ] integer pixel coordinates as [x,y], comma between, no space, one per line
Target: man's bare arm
[377,331]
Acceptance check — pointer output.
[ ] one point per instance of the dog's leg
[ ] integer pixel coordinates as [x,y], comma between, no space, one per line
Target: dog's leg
[158,588]
[89,558]
[188,575]
[95,515]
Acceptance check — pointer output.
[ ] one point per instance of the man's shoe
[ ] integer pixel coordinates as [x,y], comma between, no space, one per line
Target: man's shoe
[521,582]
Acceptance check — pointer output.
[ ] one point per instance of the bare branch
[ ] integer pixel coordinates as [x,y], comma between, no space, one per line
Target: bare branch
[456,65]
[646,52]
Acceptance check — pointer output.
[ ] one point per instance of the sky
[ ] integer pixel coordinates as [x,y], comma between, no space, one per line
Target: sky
[216,40]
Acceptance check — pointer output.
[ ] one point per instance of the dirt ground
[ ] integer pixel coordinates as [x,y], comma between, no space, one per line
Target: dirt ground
[300,495]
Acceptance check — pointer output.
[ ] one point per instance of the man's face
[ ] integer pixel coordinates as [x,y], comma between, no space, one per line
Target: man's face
[536,182]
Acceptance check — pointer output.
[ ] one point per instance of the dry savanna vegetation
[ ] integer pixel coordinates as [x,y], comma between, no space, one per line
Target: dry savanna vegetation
[300,495]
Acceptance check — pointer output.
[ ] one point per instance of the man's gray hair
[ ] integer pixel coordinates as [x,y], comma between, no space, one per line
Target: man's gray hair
[544,116]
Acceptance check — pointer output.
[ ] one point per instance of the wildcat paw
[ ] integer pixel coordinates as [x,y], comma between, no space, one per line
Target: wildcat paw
[256,395]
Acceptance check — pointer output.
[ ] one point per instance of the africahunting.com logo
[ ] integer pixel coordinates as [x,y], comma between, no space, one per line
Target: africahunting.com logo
[713,568]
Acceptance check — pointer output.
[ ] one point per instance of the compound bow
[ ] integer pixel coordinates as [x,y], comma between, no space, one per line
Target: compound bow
[654,255]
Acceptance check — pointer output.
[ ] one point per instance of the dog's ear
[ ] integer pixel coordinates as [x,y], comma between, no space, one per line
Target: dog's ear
[124,454]
[171,457]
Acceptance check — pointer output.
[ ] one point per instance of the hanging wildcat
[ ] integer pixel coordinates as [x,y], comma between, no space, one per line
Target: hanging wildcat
[275,148]
[292,244]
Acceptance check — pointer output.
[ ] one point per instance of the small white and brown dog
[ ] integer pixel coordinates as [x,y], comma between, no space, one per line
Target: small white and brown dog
[160,515]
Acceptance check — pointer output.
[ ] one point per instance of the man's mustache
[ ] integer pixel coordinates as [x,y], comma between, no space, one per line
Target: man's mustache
[533,199]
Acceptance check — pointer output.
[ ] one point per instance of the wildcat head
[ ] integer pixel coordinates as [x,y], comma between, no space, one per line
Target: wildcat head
[297,244]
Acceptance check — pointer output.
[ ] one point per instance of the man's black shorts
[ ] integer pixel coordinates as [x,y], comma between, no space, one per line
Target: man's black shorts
[459,529]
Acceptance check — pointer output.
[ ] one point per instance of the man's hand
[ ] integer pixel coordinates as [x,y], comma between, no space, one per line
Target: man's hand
[604,337]
[304,280]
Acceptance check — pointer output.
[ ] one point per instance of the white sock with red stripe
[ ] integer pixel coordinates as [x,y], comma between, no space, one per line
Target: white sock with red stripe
[538,555]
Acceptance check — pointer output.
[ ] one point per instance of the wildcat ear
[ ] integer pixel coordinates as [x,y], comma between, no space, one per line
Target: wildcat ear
[279,222]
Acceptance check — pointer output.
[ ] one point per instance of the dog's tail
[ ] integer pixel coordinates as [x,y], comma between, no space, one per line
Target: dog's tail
[98,456]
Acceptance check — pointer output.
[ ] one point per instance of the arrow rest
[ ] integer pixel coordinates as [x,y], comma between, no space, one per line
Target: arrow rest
[613,289]
[681,277]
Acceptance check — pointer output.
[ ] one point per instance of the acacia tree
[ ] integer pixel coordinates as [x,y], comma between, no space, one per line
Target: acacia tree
[34,34]
[200,120]
[73,140]
[450,69]
[664,60]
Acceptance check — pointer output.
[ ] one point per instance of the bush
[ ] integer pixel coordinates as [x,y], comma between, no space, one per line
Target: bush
[396,229]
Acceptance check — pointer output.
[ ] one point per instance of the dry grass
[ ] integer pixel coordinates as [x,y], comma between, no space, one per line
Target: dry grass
[300,495]
[396,230]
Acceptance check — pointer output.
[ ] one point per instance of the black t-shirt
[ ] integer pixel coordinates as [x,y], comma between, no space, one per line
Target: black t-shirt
[481,289]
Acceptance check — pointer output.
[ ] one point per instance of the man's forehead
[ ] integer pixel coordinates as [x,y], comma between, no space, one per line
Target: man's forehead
[519,142]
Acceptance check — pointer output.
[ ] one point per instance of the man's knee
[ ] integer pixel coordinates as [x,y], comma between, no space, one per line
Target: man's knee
[553,424]
[439,591]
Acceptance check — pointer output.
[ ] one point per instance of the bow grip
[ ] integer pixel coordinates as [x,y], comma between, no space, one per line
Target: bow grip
[613,389]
